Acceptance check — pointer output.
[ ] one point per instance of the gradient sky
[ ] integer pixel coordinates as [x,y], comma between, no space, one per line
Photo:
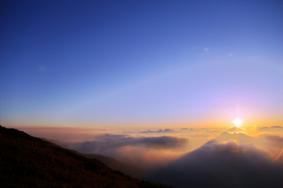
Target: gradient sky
[115,62]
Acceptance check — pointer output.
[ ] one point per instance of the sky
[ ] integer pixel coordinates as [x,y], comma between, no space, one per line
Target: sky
[141,62]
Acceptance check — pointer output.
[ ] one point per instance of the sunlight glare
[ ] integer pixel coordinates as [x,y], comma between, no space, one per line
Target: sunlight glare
[238,122]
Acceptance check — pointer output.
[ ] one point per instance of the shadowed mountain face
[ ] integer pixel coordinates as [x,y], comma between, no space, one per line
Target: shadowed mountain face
[222,165]
[27,161]
[121,166]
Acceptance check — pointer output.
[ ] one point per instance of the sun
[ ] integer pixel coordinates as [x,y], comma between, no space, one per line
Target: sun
[237,122]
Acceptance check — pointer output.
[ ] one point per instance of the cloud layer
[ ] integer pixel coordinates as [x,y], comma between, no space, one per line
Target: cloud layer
[110,143]
[274,128]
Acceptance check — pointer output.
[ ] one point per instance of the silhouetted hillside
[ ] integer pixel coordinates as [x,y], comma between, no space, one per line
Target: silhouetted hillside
[27,161]
[120,166]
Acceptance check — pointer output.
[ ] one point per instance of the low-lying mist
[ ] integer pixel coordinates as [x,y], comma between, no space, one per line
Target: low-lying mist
[192,157]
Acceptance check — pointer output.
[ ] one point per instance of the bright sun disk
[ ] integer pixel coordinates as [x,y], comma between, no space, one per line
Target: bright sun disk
[237,122]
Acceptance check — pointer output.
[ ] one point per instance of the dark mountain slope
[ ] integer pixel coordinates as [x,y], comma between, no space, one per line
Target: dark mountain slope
[118,165]
[26,161]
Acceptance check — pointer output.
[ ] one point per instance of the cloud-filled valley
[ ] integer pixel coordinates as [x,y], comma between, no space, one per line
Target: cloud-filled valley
[229,159]
[189,156]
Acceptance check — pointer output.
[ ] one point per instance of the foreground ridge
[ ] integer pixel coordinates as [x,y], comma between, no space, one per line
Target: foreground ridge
[28,161]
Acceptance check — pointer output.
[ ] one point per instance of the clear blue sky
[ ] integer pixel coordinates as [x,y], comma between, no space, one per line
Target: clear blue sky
[140,61]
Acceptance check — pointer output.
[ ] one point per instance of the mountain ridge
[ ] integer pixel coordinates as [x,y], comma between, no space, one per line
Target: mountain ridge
[27,161]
